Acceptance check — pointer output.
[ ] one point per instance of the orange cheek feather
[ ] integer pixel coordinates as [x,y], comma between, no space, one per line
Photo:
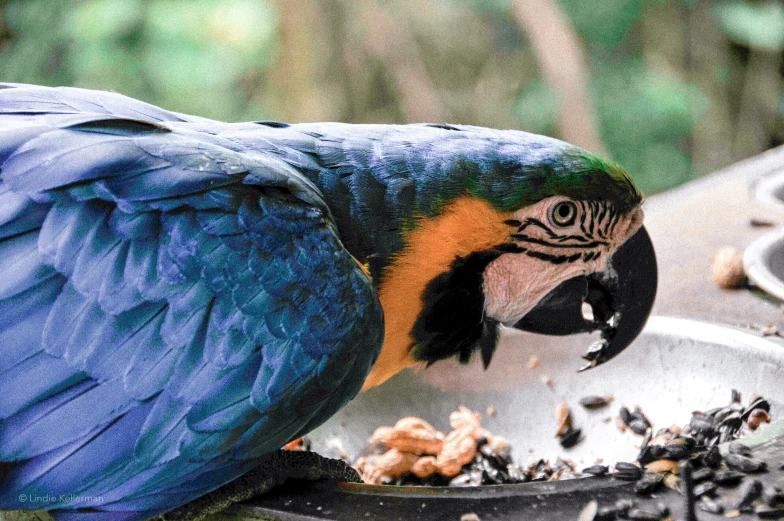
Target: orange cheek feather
[466,225]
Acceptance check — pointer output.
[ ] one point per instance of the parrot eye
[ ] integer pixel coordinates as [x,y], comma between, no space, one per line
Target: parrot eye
[564,213]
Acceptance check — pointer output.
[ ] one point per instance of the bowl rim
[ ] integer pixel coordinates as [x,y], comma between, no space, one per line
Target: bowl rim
[756,262]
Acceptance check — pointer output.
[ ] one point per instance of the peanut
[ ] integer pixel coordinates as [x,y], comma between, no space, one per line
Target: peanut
[459,449]
[410,434]
[390,465]
[464,417]
[425,466]
[727,268]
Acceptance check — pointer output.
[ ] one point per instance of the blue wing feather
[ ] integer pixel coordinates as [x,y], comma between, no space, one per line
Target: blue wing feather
[187,300]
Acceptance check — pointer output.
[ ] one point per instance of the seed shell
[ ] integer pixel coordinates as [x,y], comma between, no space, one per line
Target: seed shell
[737,447]
[625,415]
[649,483]
[706,488]
[703,474]
[712,458]
[596,470]
[772,496]
[750,489]
[570,438]
[728,478]
[595,402]
[627,471]
[744,463]
[766,512]
[651,453]
[711,506]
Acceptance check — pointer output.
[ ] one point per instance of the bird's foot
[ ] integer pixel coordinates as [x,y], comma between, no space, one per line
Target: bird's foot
[275,468]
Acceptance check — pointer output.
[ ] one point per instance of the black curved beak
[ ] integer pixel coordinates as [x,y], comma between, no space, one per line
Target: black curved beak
[621,298]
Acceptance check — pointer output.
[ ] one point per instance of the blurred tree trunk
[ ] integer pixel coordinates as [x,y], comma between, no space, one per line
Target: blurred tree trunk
[665,38]
[708,62]
[562,61]
[387,37]
[305,80]
[758,104]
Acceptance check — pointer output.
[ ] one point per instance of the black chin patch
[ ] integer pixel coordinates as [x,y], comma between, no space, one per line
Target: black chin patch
[452,321]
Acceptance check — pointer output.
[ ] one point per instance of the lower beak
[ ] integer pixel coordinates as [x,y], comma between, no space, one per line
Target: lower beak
[620,298]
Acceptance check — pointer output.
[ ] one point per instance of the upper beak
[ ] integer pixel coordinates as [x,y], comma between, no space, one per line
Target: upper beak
[621,298]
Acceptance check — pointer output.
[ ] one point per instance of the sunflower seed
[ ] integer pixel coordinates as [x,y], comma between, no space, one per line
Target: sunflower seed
[639,427]
[706,488]
[712,458]
[737,447]
[750,489]
[772,496]
[676,451]
[595,402]
[744,463]
[766,512]
[728,478]
[702,474]
[651,453]
[649,483]
[625,415]
[596,470]
[627,471]
[570,438]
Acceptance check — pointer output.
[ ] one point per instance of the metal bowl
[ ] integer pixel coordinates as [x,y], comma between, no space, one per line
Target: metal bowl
[769,190]
[763,261]
[675,367]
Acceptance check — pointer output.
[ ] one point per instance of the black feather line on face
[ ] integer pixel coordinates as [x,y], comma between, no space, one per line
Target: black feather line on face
[554,259]
[452,321]
[533,240]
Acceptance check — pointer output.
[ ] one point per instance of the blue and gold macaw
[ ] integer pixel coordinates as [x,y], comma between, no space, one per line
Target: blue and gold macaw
[180,297]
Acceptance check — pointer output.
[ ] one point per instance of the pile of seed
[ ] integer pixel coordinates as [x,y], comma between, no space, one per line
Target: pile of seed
[688,460]
[413,452]
[491,468]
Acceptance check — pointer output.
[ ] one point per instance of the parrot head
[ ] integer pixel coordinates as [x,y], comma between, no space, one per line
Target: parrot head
[548,242]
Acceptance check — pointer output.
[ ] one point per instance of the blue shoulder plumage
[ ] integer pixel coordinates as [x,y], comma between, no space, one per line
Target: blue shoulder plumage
[174,304]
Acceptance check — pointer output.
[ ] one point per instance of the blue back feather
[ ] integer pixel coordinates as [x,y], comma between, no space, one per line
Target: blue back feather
[173,287]
[181,295]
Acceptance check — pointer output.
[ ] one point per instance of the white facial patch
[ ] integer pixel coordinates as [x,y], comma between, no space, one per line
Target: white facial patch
[549,254]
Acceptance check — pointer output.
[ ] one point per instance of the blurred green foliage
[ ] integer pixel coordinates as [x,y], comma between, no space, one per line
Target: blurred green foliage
[186,55]
[283,59]
[644,117]
[536,107]
[753,25]
[605,23]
